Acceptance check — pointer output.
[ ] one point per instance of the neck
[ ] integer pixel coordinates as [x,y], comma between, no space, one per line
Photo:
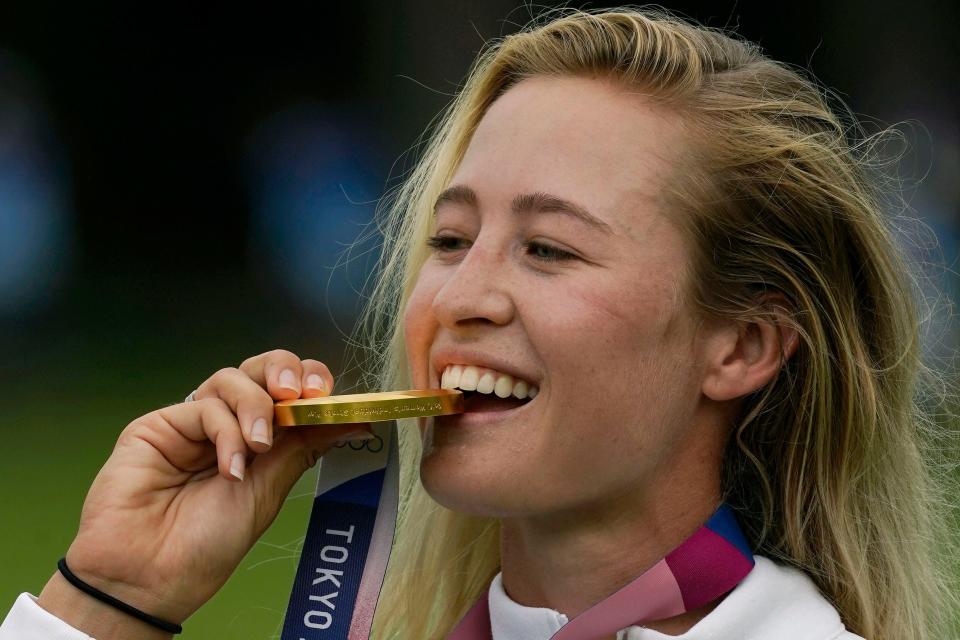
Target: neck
[570,561]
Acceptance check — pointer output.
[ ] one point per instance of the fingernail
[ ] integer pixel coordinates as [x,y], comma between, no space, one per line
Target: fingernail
[237,465]
[288,380]
[357,435]
[260,432]
[314,381]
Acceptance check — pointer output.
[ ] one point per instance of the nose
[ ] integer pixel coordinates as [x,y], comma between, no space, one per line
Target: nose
[478,290]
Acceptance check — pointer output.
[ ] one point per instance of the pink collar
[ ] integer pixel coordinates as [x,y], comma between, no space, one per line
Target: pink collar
[705,566]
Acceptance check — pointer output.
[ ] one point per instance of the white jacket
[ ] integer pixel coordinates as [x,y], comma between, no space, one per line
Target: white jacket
[773,603]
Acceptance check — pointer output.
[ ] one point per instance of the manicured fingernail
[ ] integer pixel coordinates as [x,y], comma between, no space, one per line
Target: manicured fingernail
[288,380]
[260,432]
[237,465]
[314,381]
[357,435]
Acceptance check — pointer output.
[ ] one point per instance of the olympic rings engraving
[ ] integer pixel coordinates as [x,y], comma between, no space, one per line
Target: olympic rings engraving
[374,445]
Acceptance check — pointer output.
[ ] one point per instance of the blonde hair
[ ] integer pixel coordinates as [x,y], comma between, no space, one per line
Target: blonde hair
[829,467]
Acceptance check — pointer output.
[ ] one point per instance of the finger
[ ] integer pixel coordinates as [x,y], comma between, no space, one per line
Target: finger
[252,405]
[278,371]
[209,419]
[317,380]
[295,451]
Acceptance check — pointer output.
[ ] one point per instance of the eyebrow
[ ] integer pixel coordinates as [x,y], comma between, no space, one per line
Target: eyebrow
[538,202]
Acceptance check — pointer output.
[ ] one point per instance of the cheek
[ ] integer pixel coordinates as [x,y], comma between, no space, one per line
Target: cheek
[623,355]
[610,330]
[419,327]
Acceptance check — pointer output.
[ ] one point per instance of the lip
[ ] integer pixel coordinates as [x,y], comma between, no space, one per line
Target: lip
[481,418]
[443,357]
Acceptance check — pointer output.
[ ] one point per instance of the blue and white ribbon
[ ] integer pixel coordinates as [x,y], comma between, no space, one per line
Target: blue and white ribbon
[348,541]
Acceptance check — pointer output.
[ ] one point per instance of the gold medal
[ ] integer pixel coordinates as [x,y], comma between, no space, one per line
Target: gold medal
[368,407]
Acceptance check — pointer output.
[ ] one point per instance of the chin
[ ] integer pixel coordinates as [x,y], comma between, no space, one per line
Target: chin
[465,486]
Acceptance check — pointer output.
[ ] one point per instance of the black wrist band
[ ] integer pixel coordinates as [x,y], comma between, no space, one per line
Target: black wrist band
[169,627]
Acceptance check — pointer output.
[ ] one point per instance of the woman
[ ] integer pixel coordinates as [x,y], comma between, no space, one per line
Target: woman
[671,238]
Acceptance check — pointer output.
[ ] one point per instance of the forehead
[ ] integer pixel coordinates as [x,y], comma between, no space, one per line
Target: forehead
[593,141]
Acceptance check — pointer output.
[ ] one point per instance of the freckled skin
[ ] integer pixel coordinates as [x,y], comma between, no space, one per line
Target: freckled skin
[615,351]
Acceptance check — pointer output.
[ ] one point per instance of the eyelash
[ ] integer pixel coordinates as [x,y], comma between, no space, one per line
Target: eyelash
[557,255]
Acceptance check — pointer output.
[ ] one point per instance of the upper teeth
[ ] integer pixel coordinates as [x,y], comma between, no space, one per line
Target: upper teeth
[471,378]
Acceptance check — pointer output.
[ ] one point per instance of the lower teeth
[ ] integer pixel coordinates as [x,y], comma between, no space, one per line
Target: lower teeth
[475,401]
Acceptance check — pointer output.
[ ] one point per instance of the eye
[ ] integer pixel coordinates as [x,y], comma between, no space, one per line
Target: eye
[442,243]
[547,252]
[539,250]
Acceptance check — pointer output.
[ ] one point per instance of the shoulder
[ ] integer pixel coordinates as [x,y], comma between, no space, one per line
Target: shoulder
[786,603]
[773,601]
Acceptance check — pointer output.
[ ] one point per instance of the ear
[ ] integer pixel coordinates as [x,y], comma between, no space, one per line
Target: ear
[742,357]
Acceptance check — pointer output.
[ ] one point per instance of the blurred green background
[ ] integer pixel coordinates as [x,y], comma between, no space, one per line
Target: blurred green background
[61,423]
[178,187]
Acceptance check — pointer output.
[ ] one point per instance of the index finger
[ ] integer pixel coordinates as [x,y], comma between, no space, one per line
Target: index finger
[286,377]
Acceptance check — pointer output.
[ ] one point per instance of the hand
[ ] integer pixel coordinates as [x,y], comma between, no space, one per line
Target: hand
[189,488]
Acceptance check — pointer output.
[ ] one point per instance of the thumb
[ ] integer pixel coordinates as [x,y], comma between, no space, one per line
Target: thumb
[274,473]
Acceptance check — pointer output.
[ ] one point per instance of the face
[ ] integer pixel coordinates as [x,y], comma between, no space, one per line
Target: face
[589,312]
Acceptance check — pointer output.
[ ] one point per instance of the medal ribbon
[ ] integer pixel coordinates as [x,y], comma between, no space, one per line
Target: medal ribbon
[705,566]
[348,541]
